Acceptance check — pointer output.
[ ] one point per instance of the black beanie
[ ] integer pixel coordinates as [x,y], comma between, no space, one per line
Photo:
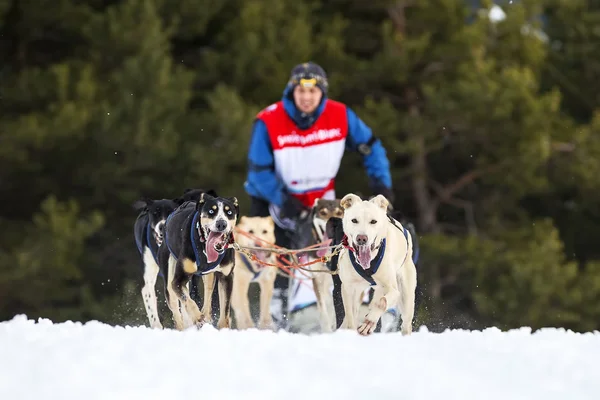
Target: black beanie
[309,71]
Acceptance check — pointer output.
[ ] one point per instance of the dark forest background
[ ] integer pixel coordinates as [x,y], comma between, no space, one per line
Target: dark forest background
[492,129]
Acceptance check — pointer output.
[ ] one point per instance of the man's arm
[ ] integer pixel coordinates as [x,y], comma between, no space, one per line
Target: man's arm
[262,181]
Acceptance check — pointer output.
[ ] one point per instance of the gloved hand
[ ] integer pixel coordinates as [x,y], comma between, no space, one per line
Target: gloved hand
[385,191]
[292,208]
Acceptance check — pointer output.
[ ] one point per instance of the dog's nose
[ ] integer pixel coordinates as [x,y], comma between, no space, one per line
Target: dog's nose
[361,240]
[221,225]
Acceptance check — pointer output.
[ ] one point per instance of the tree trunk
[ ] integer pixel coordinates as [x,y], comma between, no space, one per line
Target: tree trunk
[426,206]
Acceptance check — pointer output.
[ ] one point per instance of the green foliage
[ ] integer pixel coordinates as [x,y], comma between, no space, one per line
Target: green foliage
[42,275]
[516,278]
[491,129]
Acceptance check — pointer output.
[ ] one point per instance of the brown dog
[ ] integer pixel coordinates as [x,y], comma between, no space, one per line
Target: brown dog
[322,282]
[248,271]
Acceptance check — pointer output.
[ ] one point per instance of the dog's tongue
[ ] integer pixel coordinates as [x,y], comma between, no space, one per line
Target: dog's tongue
[211,241]
[262,255]
[326,242]
[364,256]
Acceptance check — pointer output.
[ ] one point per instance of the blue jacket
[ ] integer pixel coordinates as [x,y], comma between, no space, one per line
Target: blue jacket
[262,182]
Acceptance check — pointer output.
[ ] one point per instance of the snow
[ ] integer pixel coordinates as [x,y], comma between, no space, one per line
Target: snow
[45,360]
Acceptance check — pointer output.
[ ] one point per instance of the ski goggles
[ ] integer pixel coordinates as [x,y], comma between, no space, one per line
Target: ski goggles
[309,80]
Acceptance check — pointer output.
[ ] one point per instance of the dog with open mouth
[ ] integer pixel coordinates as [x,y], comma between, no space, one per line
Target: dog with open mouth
[378,252]
[261,232]
[148,231]
[313,232]
[198,242]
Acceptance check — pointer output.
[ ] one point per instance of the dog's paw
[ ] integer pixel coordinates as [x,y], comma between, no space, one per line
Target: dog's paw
[199,323]
[406,329]
[224,323]
[367,327]
[266,324]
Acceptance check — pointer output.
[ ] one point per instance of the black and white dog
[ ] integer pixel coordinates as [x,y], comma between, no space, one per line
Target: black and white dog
[148,231]
[197,242]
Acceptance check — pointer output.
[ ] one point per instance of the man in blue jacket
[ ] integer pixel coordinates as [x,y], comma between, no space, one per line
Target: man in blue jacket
[295,153]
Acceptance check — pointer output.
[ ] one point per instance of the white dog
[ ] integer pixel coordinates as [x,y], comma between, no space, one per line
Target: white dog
[379,254]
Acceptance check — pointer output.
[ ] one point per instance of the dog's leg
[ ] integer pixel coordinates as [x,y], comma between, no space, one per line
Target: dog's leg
[208,282]
[239,300]
[321,288]
[180,286]
[225,283]
[348,296]
[194,289]
[172,300]
[267,283]
[149,289]
[408,284]
[183,281]
[386,294]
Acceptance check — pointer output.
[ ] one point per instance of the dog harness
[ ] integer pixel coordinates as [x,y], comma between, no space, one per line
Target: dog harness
[140,245]
[195,237]
[406,233]
[148,238]
[366,274]
[248,265]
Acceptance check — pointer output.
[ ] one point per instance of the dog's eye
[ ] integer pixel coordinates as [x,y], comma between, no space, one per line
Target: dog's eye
[373,222]
[251,231]
[354,221]
[264,232]
[211,211]
[229,212]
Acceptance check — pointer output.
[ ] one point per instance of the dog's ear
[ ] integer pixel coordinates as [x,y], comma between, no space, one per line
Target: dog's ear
[203,198]
[242,219]
[142,203]
[270,220]
[139,205]
[316,203]
[349,200]
[178,200]
[212,193]
[187,190]
[234,200]
[380,201]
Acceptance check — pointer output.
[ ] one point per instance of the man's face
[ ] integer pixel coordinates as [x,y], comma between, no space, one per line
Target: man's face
[307,99]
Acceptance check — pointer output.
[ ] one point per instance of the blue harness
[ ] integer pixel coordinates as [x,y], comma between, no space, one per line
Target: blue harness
[249,266]
[149,239]
[367,274]
[195,238]
[415,257]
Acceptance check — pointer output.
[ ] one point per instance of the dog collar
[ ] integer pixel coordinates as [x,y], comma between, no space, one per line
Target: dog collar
[367,274]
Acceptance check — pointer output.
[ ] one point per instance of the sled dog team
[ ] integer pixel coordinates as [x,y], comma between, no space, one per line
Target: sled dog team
[192,237]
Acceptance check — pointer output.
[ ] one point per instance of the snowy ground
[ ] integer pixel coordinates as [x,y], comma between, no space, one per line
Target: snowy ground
[96,361]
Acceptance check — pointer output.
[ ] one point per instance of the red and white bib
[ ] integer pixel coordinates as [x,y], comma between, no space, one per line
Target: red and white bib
[307,160]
